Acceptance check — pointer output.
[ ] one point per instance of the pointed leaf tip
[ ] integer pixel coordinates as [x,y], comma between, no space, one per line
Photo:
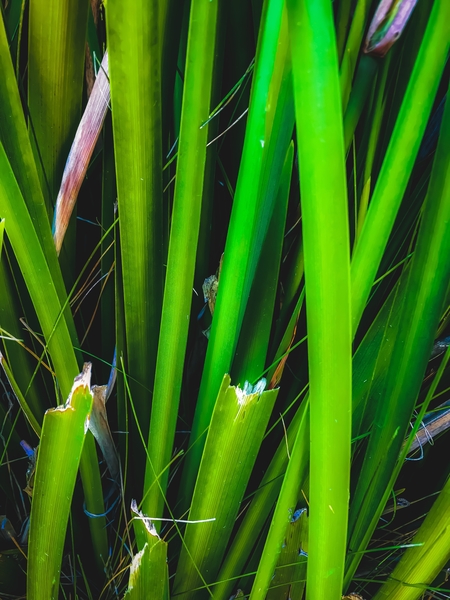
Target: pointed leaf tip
[387,25]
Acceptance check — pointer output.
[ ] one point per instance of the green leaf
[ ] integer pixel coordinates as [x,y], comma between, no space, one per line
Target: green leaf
[55,323]
[241,251]
[328,311]
[290,575]
[425,289]
[13,14]
[56,45]
[263,501]
[135,49]
[282,352]
[16,142]
[421,564]
[27,249]
[148,571]
[400,156]
[15,340]
[352,47]
[2,230]
[285,506]
[182,248]
[63,433]
[365,79]
[235,435]
[250,357]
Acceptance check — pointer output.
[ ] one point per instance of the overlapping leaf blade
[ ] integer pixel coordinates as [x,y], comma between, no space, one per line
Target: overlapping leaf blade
[235,435]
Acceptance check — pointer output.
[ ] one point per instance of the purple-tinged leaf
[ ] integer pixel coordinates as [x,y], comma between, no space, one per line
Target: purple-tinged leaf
[80,153]
[387,25]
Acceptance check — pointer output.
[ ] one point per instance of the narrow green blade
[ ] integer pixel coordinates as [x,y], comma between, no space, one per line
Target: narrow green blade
[241,251]
[22,401]
[290,575]
[182,248]
[251,351]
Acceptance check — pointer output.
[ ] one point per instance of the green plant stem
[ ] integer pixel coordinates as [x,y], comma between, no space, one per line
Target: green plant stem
[241,251]
[182,249]
[327,275]
[134,49]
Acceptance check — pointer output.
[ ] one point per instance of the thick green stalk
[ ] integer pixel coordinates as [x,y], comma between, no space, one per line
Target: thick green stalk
[182,249]
[327,276]
[234,438]
[400,156]
[263,501]
[134,48]
[61,444]
[327,284]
